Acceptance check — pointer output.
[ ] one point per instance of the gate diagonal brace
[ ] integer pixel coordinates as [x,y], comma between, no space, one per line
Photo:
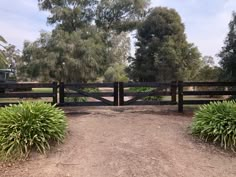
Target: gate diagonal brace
[96,97]
[143,94]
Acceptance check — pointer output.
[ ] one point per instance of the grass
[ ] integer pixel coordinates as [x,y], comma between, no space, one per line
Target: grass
[42,90]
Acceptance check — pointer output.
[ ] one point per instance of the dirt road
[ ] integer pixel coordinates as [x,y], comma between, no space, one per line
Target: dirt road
[133,142]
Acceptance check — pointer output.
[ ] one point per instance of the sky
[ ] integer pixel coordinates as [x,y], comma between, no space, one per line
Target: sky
[206,21]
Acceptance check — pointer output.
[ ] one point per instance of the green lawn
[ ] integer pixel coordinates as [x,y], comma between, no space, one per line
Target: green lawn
[42,90]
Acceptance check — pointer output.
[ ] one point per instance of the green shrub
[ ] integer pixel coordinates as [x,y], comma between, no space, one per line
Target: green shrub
[216,122]
[146,89]
[30,125]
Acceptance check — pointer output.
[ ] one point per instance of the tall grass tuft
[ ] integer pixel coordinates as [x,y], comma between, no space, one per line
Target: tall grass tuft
[30,125]
[216,122]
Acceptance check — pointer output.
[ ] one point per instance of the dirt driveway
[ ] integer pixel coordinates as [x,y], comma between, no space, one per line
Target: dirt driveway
[133,142]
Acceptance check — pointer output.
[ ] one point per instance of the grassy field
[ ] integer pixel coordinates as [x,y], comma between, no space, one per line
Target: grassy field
[42,90]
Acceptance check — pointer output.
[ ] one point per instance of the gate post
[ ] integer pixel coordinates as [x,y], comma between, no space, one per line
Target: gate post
[62,93]
[54,90]
[173,91]
[116,94]
[180,95]
[121,93]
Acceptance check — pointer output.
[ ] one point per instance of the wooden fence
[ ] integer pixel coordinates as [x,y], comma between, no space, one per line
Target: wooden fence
[74,94]
[121,94]
[213,89]
[157,90]
[14,93]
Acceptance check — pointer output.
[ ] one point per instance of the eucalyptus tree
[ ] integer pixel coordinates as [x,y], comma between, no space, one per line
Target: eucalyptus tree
[228,53]
[163,53]
[84,42]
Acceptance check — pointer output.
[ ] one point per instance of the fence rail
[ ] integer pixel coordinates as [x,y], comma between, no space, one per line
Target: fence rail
[222,89]
[138,98]
[15,93]
[77,90]
[121,94]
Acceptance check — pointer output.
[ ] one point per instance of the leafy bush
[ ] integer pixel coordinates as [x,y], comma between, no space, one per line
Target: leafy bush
[146,89]
[216,122]
[30,125]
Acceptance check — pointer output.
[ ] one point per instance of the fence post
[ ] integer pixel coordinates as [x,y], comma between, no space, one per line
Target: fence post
[62,93]
[180,97]
[116,94]
[121,93]
[173,91]
[54,90]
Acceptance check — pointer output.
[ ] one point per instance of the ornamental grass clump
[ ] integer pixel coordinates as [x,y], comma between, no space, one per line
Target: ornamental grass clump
[28,126]
[216,123]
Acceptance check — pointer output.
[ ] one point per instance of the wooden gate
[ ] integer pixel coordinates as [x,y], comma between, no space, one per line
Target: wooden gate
[90,94]
[147,93]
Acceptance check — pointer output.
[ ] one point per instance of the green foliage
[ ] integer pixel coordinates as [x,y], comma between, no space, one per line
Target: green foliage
[87,39]
[208,74]
[146,89]
[58,56]
[228,53]
[208,71]
[216,122]
[120,15]
[116,73]
[30,125]
[163,54]
[9,55]
[71,15]
[3,60]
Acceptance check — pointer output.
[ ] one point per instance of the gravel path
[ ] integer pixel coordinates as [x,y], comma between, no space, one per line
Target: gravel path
[127,142]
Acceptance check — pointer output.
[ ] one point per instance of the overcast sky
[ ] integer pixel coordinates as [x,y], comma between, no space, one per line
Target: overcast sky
[206,21]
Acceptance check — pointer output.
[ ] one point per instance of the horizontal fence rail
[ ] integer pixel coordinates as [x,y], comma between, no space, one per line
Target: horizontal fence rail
[213,89]
[140,97]
[22,91]
[81,96]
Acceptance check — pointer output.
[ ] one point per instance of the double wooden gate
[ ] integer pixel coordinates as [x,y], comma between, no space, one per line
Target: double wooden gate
[117,94]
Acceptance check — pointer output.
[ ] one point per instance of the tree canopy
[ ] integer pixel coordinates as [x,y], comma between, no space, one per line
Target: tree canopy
[71,15]
[88,38]
[228,53]
[8,54]
[208,71]
[163,54]
[3,60]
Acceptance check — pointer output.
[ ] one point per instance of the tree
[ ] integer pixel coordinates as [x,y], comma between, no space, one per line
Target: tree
[8,54]
[3,60]
[228,53]
[120,15]
[64,56]
[208,70]
[81,42]
[116,73]
[118,49]
[162,53]
[71,15]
